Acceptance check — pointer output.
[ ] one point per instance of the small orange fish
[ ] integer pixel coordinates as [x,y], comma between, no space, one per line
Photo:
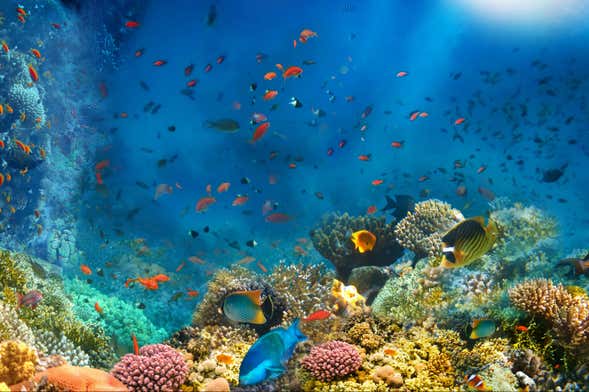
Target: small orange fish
[377,182]
[239,200]
[402,74]
[192,293]
[148,283]
[26,149]
[390,351]
[21,18]
[8,177]
[423,178]
[280,67]
[371,210]
[262,267]
[33,73]
[135,345]
[21,11]
[364,157]
[294,43]
[423,114]
[85,269]
[270,75]
[521,328]
[36,53]
[413,115]
[306,34]
[97,307]
[292,71]
[459,121]
[481,169]
[161,278]
[1,109]
[204,203]
[9,109]
[397,144]
[245,260]
[292,165]
[223,187]
[5,47]
[42,153]
[269,95]
[102,164]
[179,268]
[159,63]
[260,131]
[208,189]
[1,179]
[300,251]
[318,315]
[2,144]
[224,358]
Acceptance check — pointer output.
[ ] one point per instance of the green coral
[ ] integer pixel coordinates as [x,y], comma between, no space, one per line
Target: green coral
[332,239]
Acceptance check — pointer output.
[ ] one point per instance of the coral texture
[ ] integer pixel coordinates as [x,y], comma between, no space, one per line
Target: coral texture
[158,367]
[332,240]
[421,230]
[17,362]
[58,344]
[12,328]
[332,360]
[74,378]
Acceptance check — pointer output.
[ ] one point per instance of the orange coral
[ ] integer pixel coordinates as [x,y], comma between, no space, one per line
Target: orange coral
[75,378]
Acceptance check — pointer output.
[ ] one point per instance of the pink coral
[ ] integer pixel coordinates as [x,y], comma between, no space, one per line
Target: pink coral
[158,367]
[332,360]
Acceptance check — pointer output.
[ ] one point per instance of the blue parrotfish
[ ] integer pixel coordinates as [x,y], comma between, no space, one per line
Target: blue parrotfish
[267,357]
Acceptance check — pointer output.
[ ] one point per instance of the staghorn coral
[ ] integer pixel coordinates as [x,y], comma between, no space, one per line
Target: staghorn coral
[421,230]
[332,360]
[50,343]
[332,240]
[158,367]
[568,314]
[17,362]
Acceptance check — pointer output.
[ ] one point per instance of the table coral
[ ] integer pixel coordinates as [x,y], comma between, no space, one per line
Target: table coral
[17,362]
[421,231]
[158,367]
[332,360]
[332,240]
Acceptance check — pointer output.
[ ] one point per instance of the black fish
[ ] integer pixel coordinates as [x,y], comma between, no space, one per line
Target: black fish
[148,106]
[552,175]
[144,85]
[402,204]
[193,233]
[206,229]
[156,108]
[172,128]
[212,15]
[251,243]
[245,180]
[141,184]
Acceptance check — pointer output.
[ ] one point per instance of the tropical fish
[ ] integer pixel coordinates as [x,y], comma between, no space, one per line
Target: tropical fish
[30,299]
[267,357]
[402,74]
[292,71]
[244,307]
[260,131]
[162,189]
[475,382]
[223,125]
[85,269]
[224,359]
[33,73]
[306,34]
[159,63]
[363,240]
[270,94]
[318,315]
[239,200]
[223,187]
[5,47]
[131,24]
[482,328]
[467,241]
[371,210]
[278,217]
[204,203]
[97,307]
[269,75]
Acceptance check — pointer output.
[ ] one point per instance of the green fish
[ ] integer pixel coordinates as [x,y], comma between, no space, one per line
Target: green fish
[223,125]
[244,307]
[482,329]
[467,241]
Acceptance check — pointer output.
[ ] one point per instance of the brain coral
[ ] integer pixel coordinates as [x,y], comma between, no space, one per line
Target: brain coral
[158,367]
[332,360]
[421,230]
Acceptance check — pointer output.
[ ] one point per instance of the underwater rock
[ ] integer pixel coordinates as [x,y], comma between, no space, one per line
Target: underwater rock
[422,230]
[368,280]
[332,239]
[61,247]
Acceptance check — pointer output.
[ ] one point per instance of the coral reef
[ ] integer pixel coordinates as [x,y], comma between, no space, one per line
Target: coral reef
[12,328]
[568,314]
[158,367]
[421,230]
[346,299]
[331,360]
[50,343]
[368,280]
[17,362]
[73,378]
[332,240]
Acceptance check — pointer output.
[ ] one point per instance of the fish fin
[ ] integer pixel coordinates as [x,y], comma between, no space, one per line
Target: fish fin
[475,323]
[479,219]
[473,335]
[259,318]
[254,295]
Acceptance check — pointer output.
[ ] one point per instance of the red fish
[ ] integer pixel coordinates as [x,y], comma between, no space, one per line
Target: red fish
[223,187]
[208,68]
[371,210]
[318,315]
[262,267]
[220,59]
[239,200]
[188,70]
[366,112]
[179,268]
[413,115]
[99,180]
[260,131]
[25,148]
[269,75]
[97,307]
[33,73]
[85,269]
[30,299]
[402,74]
[270,94]
[103,90]
[5,47]
[306,34]
[102,164]
[135,345]
[1,179]
[191,83]
[459,121]
[56,26]
[487,193]
[204,203]
[364,157]
[139,52]
[131,24]
[258,118]
[521,328]
[377,182]
[21,11]
[159,63]
[292,71]
[397,144]
[278,217]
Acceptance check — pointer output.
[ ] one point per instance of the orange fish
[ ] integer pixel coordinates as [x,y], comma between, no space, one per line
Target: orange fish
[139,52]
[208,189]
[390,351]
[292,71]
[135,345]
[239,200]
[26,149]
[1,109]
[402,74]
[5,47]
[278,217]
[521,328]
[459,121]
[269,95]
[413,115]
[423,114]
[179,268]
[102,164]
[423,178]
[148,283]
[8,108]
[364,157]
[377,182]
[318,315]
[21,11]
[270,75]
[21,18]
[223,187]
[204,203]
[85,269]
[245,260]
[262,267]
[2,144]
[99,180]
[280,67]
[481,169]
[159,63]
[42,153]
[260,131]
[33,73]
[371,210]
[397,144]
[162,189]
[300,251]
[161,278]
[36,53]
[97,307]
[224,358]
[196,260]
[192,293]
[294,43]
[292,165]
[8,177]
[131,24]
[306,34]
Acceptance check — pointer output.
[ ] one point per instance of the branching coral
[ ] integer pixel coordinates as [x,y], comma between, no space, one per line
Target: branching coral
[17,362]
[12,328]
[58,344]
[332,240]
[421,230]
[568,314]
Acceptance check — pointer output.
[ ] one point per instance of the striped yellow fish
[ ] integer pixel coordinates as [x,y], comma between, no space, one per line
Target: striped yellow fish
[467,241]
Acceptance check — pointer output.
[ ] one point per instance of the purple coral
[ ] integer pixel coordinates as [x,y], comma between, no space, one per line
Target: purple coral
[158,367]
[332,360]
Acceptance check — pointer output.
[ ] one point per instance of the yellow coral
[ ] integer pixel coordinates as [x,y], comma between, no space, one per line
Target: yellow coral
[347,299]
[17,362]
[4,387]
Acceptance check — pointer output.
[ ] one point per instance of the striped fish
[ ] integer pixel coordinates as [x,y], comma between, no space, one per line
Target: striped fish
[244,307]
[467,241]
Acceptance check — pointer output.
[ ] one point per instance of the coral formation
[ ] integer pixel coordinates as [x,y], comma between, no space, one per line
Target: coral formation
[332,240]
[568,314]
[74,378]
[422,229]
[12,328]
[158,367]
[332,360]
[346,299]
[58,344]
[17,362]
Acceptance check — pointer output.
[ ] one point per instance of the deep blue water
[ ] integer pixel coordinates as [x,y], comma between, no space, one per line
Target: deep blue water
[361,45]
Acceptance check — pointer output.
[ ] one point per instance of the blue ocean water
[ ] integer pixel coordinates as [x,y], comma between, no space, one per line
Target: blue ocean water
[519,82]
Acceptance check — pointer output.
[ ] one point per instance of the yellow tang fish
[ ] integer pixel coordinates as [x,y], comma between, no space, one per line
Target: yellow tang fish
[467,241]
[363,240]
